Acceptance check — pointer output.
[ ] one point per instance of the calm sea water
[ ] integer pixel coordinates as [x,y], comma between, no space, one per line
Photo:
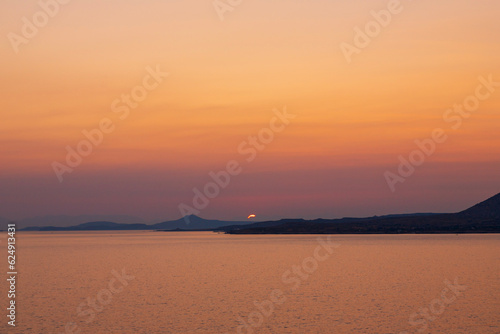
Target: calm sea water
[156,282]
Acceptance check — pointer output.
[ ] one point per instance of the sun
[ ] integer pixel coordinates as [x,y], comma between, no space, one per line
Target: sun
[251,216]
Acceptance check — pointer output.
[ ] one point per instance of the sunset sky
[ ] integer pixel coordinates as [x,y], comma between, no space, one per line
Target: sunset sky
[353,119]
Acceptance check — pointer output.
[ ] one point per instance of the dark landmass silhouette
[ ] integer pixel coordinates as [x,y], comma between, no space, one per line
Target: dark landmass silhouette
[483,217]
[72,220]
[188,223]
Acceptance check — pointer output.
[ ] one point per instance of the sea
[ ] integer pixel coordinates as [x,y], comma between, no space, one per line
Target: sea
[205,282]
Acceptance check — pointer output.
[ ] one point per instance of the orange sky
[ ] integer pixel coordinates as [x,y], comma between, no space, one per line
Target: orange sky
[225,78]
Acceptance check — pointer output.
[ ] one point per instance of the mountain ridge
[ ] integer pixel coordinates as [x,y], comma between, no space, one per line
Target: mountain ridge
[190,222]
[483,217]
[489,208]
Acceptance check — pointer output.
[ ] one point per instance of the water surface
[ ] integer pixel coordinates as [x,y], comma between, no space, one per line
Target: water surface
[197,282]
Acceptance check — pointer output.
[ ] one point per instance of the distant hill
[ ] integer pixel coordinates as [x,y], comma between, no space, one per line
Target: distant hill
[489,209]
[481,218]
[66,220]
[193,222]
[189,223]
[349,220]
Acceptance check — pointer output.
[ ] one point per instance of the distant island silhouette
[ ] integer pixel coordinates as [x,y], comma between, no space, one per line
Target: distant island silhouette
[483,217]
